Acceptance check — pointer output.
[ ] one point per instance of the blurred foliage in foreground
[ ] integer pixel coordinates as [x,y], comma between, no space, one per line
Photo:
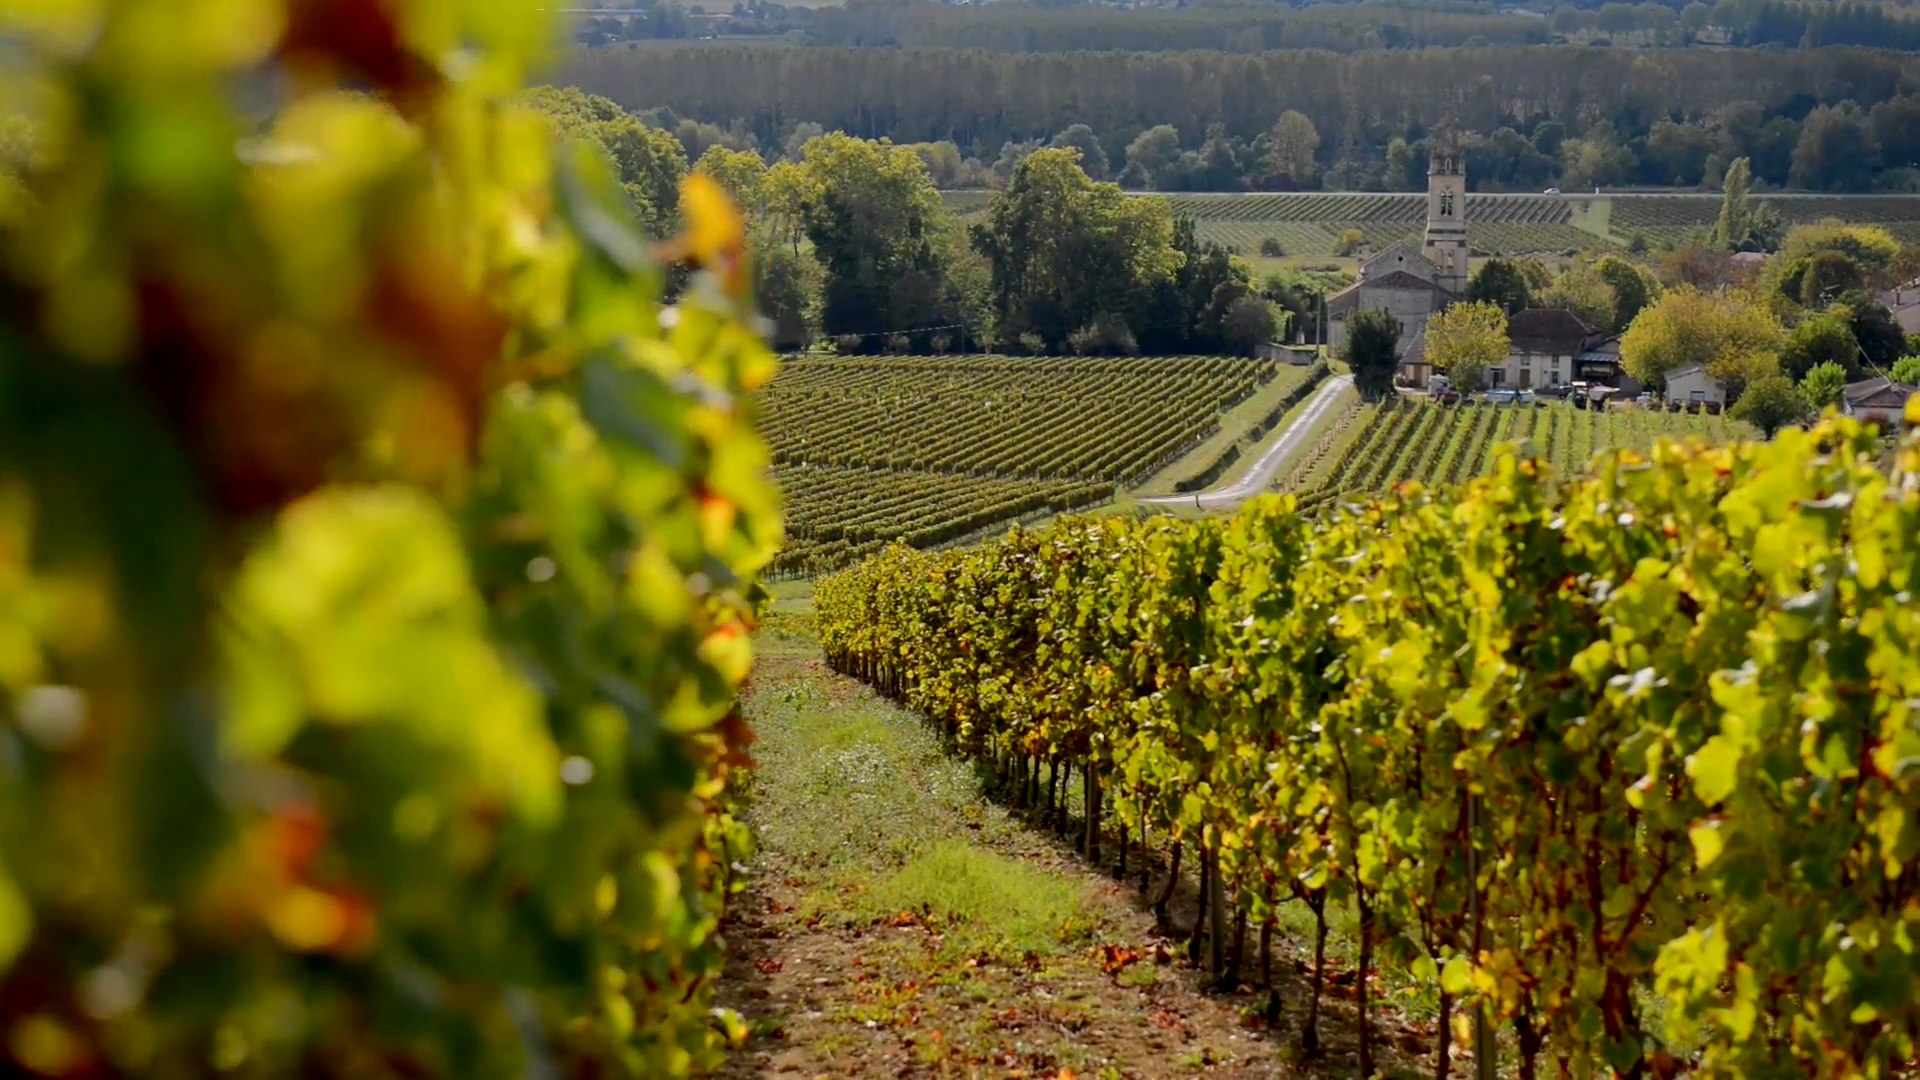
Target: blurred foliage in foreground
[374,559]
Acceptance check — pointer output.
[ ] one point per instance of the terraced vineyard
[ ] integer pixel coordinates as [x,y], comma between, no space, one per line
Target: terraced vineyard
[1401,440]
[932,449]
[1311,223]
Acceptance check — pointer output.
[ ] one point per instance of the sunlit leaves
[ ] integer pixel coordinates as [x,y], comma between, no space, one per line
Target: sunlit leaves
[1669,708]
[396,543]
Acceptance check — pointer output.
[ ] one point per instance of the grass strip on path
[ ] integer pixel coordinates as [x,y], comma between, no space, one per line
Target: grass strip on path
[900,923]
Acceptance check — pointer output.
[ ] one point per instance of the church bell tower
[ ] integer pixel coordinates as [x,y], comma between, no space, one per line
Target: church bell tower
[1446,237]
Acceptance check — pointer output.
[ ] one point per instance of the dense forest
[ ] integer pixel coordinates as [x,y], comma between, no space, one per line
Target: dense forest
[1831,119]
[1371,24]
[1010,26]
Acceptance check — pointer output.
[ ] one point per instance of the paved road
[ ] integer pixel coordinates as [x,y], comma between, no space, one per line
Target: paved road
[1285,443]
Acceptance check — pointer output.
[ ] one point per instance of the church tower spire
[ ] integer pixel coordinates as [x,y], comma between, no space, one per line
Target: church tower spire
[1445,244]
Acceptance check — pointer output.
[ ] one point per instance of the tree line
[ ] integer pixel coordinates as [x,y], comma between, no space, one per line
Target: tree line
[1349,27]
[1576,117]
[851,241]
[1355,27]
[1019,27]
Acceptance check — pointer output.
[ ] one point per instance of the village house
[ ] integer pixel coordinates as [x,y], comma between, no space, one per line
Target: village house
[1546,345]
[1904,302]
[1692,385]
[1878,400]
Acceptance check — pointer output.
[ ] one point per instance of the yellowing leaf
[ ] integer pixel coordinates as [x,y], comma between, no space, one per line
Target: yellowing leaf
[714,229]
[1714,769]
[1707,842]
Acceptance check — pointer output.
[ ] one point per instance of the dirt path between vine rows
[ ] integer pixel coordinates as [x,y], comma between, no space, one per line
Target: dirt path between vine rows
[899,923]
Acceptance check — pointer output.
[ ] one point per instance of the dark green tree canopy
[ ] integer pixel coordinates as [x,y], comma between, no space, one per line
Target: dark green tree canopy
[1370,352]
[1502,283]
[1771,404]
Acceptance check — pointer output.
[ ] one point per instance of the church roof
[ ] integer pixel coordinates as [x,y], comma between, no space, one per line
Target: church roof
[1348,299]
[1399,254]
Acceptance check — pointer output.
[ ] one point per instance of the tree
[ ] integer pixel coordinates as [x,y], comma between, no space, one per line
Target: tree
[1875,331]
[1825,276]
[882,236]
[1906,370]
[1770,404]
[1597,159]
[1370,352]
[944,163]
[649,162]
[1291,146]
[1403,167]
[1093,159]
[1695,17]
[1823,385]
[1581,290]
[1835,152]
[1722,330]
[1823,339]
[1869,247]
[1466,339]
[1735,229]
[1064,250]
[1249,322]
[1154,149]
[1501,282]
[1011,155]
[783,294]
[1676,154]
[1632,289]
[1896,129]
[739,172]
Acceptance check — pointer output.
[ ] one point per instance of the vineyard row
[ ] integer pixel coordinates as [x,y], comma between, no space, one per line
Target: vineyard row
[1404,440]
[929,450]
[1573,751]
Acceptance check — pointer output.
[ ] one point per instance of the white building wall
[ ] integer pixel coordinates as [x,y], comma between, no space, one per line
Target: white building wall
[1682,388]
[1530,369]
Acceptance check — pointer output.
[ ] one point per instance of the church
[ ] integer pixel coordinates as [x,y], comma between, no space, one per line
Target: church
[1412,284]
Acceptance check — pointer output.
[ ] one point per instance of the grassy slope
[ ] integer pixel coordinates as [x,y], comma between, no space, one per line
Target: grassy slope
[1235,425]
[902,923]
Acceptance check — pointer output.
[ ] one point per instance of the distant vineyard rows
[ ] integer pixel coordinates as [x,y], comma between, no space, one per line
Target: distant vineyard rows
[1390,444]
[1311,223]
[1246,238]
[932,449]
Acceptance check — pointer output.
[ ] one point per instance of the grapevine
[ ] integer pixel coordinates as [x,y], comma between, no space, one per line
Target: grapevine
[929,450]
[375,561]
[1678,689]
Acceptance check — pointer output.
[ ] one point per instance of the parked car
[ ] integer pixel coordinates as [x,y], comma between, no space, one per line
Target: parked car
[1524,397]
[1645,400]
[1501,397]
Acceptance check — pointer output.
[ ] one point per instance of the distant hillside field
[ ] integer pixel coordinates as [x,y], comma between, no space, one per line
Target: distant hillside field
[1311,223]
[1401,440]
[932,449]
